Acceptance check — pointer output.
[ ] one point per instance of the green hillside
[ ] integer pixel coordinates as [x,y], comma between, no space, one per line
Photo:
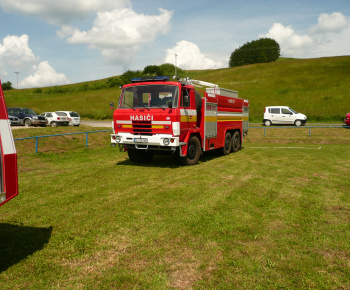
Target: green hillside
[318,88]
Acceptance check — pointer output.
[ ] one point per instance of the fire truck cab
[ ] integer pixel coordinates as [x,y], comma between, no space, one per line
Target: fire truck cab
[156,115]
[8,156]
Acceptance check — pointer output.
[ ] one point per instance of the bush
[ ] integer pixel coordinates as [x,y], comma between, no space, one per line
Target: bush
[37,91]
[257,51]
[7,86]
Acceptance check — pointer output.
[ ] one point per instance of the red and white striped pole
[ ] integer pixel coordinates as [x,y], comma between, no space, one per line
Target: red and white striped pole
[8,156]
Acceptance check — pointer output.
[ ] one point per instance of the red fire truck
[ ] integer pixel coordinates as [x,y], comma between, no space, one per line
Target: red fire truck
[8,156]
[156,115]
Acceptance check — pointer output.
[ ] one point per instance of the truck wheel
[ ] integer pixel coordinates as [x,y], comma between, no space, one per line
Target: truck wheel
[27,122]
[198,99]
[53,124]
[227,145]
[267,123]
[297,123]
[193,152]
[236,142]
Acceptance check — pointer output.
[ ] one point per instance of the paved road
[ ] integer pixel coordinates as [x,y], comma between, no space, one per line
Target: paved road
[107,124]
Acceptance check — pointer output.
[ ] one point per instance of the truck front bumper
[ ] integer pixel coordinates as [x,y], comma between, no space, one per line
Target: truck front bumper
[154,142]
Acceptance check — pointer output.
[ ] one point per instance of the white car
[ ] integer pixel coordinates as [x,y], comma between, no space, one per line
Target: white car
[283,115]
[74,118]
[55,119]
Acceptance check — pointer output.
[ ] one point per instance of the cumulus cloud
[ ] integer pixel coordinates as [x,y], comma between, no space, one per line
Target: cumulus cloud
[119,33]
[16,55]
[15,51]
[62,11]
[330,36]
[334,22]
[44,75]
[291,43]
[189,56]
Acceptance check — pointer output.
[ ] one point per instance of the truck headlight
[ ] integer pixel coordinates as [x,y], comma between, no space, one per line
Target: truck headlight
[166,141]
[118,139]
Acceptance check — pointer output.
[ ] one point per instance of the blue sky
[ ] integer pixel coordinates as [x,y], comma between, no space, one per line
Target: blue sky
[69,41]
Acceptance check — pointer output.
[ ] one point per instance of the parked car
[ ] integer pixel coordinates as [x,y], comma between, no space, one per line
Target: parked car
[13,120]
[74,118]
[347,119]
[27,117]
[283,115]
[55,119]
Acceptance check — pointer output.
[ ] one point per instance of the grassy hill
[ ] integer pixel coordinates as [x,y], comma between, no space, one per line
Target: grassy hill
[318,88]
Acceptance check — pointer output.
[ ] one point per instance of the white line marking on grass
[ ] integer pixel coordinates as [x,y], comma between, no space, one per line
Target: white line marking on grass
[284,148]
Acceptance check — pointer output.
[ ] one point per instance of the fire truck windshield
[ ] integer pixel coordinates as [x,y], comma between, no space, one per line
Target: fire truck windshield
[149,96]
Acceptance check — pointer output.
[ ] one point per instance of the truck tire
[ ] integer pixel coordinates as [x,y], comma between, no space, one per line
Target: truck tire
[227,144]
[198,99]
[27,122]
[140,156]
[297,123]
[193,152]
[236,142]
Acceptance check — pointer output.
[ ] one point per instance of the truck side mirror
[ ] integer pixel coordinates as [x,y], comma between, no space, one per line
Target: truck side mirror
[186,100]
[111,106]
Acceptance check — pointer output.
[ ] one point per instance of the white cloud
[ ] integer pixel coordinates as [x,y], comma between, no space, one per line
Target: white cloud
[189,56]
[329,37]
[291,43]
[62,11]
[15,51]
[334,22]
[44,75]
[16,55]
[120,33]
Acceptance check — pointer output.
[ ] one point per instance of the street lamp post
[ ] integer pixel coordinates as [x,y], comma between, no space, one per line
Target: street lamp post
[175,65]
[17,73]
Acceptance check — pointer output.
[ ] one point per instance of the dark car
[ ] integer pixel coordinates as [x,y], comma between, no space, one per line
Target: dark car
[13,120]
[27,117]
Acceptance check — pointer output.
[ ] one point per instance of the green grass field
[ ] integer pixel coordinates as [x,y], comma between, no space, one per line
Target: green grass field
[316,87]
[274,215]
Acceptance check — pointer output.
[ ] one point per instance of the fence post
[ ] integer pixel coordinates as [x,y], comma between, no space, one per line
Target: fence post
[36,144]
[265,132]
[309,131]
[87,139]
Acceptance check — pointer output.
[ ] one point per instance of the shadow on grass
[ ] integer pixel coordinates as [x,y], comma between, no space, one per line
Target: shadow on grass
[171,161]
[18,242]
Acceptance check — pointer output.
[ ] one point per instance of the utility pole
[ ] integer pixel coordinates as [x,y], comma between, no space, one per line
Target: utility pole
[175,65]
[17,73]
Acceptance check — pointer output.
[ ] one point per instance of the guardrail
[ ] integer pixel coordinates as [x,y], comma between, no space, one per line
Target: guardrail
[301,127]
[90,132]
[46,136]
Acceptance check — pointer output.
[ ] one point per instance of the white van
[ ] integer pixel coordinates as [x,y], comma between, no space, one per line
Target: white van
[283,115]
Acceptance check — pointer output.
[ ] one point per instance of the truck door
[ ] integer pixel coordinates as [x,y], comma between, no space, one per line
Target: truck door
[8,156]
[187,110]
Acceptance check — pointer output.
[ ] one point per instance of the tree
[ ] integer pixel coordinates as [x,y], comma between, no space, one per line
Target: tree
[7,86]
[151,70]
[256,51]
[168,69]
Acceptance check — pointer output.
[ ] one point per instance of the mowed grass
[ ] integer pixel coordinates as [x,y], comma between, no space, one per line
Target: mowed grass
[274,215]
